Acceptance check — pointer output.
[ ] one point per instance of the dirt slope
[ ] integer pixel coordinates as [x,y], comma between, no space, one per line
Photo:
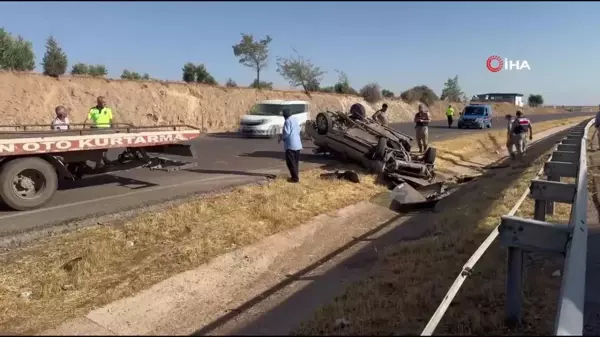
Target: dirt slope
[27,98]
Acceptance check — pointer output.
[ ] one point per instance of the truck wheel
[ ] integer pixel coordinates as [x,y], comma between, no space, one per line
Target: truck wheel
[27,183]
[324,123]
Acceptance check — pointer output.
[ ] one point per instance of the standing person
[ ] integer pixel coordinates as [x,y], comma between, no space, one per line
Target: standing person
[519,129]
[292,144]
[61,121]
[422,120]
[100,115]
[509,140]
[450,115]
[597,125]
[381,115]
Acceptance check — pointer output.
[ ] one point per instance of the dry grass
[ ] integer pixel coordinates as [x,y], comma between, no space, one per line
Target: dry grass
[70,274]
[410,279]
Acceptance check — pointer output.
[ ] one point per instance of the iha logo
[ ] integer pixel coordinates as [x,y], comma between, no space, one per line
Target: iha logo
[495,63]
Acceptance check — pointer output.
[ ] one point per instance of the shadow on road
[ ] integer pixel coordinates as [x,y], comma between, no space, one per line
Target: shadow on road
[232,135]
[105,179]
[237,173]
[301,305]
[304,157]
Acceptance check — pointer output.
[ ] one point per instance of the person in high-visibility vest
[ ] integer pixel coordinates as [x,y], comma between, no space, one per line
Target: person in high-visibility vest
[450,115]
[100,115]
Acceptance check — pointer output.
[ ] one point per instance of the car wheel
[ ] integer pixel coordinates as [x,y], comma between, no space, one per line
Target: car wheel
[324,123]
[27,183]
[430,155]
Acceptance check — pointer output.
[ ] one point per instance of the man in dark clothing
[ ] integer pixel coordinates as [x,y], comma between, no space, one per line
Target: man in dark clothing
[292,144]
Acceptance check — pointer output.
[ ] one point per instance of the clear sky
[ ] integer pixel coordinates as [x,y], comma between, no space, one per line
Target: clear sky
[397,44]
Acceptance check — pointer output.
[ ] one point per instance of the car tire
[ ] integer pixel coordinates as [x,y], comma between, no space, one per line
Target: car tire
[460,126]
[430,155]
[44,173]
[324,123]
[358,110]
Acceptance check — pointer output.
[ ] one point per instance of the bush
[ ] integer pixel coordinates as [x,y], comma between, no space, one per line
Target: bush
[96,70]
[387,93]
[263,85]
[197,73]
[371,93]
[231,83]
[420,93]
[55,60]
[132,75]
[329,89]
[15,53]
[79,69]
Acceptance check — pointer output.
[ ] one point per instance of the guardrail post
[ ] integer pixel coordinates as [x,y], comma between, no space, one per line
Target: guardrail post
[550,204]
[514,287]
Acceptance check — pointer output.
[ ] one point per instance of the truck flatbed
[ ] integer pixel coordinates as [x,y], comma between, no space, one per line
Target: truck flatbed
[35,158]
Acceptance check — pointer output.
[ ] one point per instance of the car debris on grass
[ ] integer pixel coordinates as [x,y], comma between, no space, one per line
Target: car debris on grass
[410,279]
[69,274]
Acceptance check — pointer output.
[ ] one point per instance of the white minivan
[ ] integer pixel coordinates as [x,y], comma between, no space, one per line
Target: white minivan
[266,118]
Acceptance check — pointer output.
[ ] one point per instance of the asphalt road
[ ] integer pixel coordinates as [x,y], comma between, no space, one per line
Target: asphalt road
[224,160]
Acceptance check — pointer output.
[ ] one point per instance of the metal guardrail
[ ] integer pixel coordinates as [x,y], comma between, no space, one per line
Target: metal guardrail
[518,234]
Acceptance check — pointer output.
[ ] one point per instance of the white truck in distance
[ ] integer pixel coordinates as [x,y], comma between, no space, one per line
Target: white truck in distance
[265,119]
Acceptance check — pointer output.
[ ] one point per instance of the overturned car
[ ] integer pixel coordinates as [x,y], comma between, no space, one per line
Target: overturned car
[381,149]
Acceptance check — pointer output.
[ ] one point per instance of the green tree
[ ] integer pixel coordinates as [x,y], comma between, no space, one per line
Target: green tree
[300,73]
[15,53]
[263,85]
[535,100]
[253,54]
[146,77]
[189,72]
[203,76]
[387,93]
[452,91]
[329,89]
[371,93]
[55,60]
[230,83]
[79,69]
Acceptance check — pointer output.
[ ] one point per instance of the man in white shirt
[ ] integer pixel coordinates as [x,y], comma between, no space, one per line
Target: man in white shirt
[61,121]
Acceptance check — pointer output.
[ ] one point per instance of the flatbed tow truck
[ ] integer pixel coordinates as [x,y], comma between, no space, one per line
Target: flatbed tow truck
[34,159]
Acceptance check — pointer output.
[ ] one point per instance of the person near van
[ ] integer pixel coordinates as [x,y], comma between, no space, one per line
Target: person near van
[381,115]
[292,144]
[422,119]
[100,115]
[450,115]
[597,125]
[60,121]
[509,142]
[519,129]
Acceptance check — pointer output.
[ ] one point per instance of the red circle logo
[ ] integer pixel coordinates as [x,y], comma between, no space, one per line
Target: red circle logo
[491,67]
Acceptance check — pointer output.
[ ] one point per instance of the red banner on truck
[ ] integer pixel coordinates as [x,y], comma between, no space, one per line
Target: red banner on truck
[23,146]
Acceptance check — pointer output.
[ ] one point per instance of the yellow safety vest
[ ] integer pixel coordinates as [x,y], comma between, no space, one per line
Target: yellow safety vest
[450,112]
[100,118]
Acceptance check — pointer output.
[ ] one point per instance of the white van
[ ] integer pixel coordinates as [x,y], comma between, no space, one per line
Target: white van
[266,117]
